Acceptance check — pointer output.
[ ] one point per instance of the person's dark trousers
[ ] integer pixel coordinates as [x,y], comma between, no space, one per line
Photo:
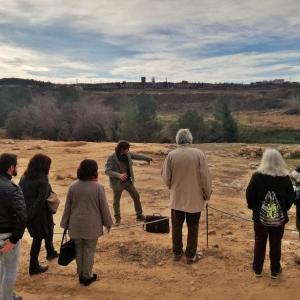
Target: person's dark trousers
[34,252]
[130,188]
[262,233]
[49,242]
[298,215]
[192,220]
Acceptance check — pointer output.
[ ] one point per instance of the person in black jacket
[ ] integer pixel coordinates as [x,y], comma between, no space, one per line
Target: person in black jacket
[269,195]
[36,189]
[12,225]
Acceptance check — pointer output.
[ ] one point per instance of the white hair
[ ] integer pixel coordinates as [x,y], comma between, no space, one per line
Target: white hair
[184,136]
[272,164]
[295,176]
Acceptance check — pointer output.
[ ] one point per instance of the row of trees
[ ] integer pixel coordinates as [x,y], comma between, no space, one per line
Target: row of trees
[78,121]
[11,99]
[219,127]
[66,117]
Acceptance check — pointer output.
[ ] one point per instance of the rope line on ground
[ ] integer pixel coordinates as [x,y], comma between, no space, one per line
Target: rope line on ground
[127,226]
[136,225]
[230,214]
[242,218]
[166,218]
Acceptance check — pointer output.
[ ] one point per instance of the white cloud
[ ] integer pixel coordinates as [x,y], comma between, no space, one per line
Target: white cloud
[118,17]
[23,62]
[173,37]
[239,67]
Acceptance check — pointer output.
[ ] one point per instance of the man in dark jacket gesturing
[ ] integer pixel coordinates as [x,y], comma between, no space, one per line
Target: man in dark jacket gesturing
[119,169]
[12,225]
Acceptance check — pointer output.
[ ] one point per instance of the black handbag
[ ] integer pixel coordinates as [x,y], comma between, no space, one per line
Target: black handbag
[160,224]
[67,250]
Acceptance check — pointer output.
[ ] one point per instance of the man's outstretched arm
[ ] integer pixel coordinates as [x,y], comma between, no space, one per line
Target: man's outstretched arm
[142,157]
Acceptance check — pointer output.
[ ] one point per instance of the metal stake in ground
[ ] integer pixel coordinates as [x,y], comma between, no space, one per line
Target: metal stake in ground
[206,225]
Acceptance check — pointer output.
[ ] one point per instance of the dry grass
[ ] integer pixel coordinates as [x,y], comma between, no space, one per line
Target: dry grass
[269,119]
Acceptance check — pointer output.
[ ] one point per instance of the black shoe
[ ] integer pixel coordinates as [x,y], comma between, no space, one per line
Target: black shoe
[88,281]
[275,275]
[52,255]
[15,297]
[140,218]
[118,222]
[257,274]
[177,257]
[38,270]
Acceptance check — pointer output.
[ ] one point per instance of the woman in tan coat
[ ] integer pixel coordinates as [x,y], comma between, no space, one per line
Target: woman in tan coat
[186,174]
[86,213]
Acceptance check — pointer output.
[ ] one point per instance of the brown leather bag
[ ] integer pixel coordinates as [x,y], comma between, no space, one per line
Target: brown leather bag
[53,202]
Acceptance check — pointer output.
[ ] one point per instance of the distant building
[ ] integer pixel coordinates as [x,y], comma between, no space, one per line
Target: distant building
[152,79]
[78,88]
[143,79]
[278,81]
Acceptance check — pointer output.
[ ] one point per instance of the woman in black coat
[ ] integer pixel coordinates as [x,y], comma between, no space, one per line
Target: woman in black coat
[269,195]
[36,189]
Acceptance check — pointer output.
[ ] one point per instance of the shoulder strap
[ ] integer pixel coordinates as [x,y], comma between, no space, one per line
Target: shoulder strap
[64,237]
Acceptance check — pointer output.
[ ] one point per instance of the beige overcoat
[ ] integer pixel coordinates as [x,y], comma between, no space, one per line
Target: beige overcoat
[185,172]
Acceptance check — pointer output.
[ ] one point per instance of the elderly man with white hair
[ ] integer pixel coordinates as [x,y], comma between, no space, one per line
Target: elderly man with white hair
[186,174]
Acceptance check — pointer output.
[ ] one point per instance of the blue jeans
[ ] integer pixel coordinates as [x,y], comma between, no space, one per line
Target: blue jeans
[8,270]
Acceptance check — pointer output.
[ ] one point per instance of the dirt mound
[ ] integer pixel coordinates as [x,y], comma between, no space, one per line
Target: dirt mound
[7,142]
[257,151]
[216,253]
[293,111]
[72,151]
[75,144]
[147,255]
[35,147]
[59,177]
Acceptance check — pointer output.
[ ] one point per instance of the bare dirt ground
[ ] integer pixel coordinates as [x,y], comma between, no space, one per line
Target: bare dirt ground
[134,264]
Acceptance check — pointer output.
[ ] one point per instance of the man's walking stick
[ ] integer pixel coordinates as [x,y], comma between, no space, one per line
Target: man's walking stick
[206,225]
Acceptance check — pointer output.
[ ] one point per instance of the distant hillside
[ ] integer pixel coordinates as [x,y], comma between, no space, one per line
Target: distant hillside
[175,97]
[261,107]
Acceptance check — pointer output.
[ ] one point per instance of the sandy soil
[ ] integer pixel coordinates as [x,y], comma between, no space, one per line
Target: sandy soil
[133,264]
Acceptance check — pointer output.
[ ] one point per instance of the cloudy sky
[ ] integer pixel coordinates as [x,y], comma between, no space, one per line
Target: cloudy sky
[113,40]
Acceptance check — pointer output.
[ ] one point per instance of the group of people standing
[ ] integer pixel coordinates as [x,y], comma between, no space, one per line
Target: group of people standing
[86,215]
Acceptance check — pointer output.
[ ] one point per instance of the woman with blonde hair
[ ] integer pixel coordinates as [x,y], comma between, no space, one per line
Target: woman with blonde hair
[269,195]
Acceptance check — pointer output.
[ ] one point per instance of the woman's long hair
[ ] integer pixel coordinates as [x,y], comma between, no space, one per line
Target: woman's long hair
[39,166]
[272,164]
